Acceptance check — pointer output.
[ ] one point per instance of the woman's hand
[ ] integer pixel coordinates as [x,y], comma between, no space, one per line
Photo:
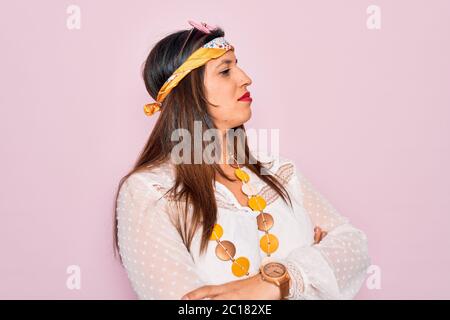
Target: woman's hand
[251,288]
[319,234]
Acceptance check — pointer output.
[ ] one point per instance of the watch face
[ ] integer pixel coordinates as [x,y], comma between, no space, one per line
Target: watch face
[274,269]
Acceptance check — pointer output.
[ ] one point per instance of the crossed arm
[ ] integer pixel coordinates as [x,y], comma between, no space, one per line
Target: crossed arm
[159,266]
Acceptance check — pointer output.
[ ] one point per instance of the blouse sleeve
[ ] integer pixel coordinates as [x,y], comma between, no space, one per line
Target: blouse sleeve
[335,268]
[156,260]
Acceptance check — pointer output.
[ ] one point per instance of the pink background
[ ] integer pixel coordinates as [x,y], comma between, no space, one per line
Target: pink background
[364,113]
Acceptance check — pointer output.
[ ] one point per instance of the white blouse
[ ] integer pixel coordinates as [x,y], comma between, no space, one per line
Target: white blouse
[159,265]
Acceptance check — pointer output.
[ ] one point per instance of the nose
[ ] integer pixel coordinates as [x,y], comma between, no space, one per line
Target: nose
[245,80]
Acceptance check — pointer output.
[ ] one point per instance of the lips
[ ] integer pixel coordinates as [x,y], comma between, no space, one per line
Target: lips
[245,97]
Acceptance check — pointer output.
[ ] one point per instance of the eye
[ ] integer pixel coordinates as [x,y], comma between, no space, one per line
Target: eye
[225,72]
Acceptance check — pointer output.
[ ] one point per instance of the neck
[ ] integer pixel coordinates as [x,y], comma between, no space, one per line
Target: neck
[225,159]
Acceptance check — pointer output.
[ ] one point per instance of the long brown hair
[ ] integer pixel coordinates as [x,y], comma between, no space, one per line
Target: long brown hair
[181,108]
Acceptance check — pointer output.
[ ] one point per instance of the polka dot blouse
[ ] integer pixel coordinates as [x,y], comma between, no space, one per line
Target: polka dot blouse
[159,266]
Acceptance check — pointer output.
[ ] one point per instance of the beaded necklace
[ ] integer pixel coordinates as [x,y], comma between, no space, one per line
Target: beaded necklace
[226,250]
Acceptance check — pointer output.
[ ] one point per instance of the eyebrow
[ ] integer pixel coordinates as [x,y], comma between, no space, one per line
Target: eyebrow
[226,61]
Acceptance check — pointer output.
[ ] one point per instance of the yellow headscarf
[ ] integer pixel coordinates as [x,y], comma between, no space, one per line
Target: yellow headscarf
[211,50]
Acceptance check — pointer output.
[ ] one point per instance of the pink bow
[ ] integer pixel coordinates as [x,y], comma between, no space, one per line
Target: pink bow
[203,26]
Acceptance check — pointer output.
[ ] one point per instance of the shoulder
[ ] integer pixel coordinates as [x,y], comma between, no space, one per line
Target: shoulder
[276,164]
[273,161]
[154,180]
[141,191]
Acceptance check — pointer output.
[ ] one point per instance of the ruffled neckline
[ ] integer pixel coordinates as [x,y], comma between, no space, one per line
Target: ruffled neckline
[165,173]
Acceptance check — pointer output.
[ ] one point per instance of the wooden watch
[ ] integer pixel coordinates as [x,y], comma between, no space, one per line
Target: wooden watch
[275,272]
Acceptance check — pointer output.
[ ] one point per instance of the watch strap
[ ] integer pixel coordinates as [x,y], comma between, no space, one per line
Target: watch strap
[284,287]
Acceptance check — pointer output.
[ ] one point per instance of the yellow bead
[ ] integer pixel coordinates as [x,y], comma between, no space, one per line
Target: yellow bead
[242,175]
[240,266]
[257,203]
[217,232]
[268,243]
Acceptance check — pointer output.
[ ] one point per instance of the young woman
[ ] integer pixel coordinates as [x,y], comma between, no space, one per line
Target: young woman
[249,226]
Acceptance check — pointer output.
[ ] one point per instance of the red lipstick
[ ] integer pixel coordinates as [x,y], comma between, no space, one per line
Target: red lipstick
[246,97]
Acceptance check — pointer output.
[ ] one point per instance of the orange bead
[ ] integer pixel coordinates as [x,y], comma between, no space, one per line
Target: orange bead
[242,175]
[217,232]
[257,203]
[268,243]
[240,266]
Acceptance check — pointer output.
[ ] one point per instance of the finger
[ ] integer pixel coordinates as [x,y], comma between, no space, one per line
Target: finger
[316,238]
[202,292]
[198,293]
[317,233]
[225,296]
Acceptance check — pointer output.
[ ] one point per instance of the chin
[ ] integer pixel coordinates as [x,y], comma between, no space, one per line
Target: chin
[249,115]
[243,121]
[244,116]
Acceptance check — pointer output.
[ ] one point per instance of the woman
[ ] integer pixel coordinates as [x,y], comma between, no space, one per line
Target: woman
[249,226]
